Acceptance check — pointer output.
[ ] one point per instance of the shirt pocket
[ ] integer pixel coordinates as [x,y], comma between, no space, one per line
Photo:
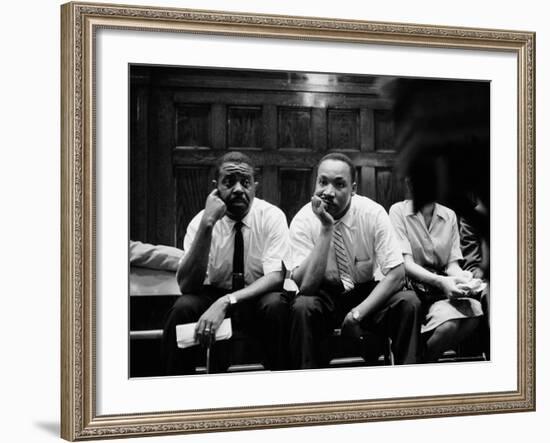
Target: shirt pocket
[363,269]
[360,254]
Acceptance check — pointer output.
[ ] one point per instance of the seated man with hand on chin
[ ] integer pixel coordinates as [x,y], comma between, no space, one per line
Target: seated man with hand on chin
[336,242]
[232,265]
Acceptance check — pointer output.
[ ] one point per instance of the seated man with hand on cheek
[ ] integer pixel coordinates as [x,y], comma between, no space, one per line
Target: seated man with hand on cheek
[232,264]
[336,242]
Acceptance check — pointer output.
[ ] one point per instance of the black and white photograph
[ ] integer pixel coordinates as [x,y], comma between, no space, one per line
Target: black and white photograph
[281,221]
[289,220]
[275,221]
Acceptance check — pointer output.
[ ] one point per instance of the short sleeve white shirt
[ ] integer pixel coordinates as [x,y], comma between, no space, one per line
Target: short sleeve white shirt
[265,238]
[368,237]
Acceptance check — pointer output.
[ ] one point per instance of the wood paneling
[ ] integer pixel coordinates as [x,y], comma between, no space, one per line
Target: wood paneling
[383,130]
[367,130]
[368,182]
[193,126]
[269,118]
[343,129]
[283,158]
[303,99]
[381,184]
[269,184]
[295,189]
[389,187]
[139,121]
[244,127]
[319,129]
[217,123]
[294,128]
[160,180]
[192,188]
[255,80]
[184,119]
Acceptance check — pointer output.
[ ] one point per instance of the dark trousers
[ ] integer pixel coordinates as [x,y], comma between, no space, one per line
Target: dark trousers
[313,318]
[265,317]
[484,327]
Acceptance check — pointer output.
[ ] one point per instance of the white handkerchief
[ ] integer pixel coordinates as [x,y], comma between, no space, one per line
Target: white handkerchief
[290,286]
[185,334]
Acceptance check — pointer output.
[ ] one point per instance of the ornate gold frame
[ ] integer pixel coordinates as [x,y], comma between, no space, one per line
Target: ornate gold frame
[78,416]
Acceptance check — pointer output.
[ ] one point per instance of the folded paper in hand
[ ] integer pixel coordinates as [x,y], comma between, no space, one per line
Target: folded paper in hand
[185,334]
[474,286]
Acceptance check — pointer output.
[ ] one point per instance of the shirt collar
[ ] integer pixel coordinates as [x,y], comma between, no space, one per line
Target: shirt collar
[347,219]
[246,221]
[438,210]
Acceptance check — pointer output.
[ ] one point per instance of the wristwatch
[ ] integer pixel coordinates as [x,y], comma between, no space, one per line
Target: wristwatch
[232,300]
[355,314]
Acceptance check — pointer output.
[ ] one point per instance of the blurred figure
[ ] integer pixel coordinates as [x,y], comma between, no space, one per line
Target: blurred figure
[475,248]
[442,130]
[476,260]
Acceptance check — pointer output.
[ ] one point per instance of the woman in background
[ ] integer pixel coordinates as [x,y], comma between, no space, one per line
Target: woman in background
[430,245]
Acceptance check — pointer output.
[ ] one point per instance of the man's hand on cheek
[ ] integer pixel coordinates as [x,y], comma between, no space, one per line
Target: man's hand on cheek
[320,210]
[215,207]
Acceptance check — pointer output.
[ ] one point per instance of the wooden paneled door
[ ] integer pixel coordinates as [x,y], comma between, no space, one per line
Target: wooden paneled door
[184,119]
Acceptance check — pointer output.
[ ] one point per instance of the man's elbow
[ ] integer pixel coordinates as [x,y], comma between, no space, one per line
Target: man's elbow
[397,276]
[278,279]
[309,287]
[306,289]
[186,283]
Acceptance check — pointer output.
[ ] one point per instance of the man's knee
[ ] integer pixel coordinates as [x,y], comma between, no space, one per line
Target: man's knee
[273,302]
[273,310]
[407,302]
[305,307]
[186,308]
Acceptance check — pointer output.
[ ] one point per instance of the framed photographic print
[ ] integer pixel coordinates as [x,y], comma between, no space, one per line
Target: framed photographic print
[435,122]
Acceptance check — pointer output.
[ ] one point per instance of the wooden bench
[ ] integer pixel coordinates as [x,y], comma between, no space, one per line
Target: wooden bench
[152,294]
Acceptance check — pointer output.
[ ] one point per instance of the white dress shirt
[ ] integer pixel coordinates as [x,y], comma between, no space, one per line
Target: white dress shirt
[265,237]
[368,237]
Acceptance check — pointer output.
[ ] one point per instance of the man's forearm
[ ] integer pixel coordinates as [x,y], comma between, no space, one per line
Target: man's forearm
[392,283]
[267,283]
[192,269]
[309,275]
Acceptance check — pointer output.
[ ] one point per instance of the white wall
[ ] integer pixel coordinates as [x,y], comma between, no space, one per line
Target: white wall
[29,222]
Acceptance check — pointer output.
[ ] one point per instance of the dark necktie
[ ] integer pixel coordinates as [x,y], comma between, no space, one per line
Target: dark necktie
[238,258]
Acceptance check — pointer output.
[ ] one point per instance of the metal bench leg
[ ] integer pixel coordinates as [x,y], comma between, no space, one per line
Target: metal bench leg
[208,349]
[388,354]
